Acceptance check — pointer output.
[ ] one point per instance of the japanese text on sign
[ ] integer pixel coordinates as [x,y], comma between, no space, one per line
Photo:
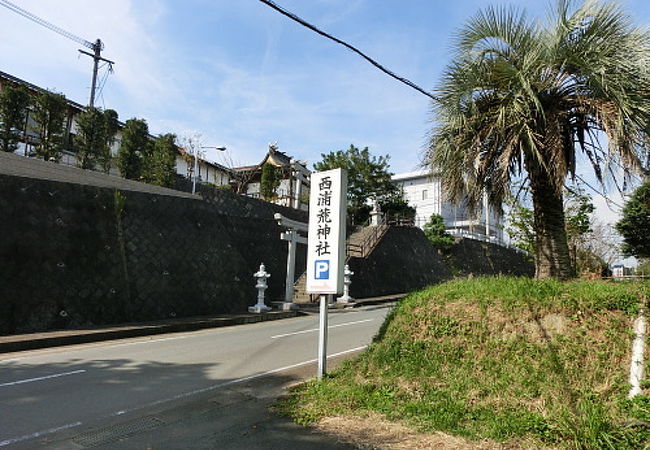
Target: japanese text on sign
[326,239]
[324,220]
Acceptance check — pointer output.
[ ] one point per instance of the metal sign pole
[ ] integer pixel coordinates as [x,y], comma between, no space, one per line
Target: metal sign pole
[322,338]
[326,246]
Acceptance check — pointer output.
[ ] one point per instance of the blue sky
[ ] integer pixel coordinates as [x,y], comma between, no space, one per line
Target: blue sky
[242,75]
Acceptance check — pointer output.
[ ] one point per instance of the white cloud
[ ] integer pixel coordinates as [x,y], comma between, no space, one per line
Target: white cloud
[45,58]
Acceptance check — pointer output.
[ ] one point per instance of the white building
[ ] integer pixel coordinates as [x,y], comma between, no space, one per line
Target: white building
[208,171]
[620,271]
[293,190]
[423,191]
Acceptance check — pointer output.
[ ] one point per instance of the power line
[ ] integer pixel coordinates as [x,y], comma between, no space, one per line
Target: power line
[349,47]
[34,18]
[96,46]
[102,83]
[608,200]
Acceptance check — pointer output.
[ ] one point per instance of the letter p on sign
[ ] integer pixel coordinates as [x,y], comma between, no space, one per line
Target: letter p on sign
[322,269]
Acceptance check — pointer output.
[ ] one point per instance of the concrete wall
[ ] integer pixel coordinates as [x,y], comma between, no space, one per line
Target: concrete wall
[404,260]
[472,257]
[76,256]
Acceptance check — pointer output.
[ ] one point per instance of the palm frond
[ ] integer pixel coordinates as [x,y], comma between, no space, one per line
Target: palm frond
[519,93]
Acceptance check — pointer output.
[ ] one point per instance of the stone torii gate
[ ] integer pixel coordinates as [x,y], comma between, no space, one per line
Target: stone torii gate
[293,238]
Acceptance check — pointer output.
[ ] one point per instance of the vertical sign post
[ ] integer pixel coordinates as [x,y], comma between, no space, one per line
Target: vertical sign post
[326,245]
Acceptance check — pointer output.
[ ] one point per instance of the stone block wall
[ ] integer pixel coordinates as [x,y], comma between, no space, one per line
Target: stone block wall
[403,260]
[75,256]
[472,257]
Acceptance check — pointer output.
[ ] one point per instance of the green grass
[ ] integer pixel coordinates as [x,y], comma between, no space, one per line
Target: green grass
[498,358]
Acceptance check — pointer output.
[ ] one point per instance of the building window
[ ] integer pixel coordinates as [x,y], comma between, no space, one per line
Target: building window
[425,194]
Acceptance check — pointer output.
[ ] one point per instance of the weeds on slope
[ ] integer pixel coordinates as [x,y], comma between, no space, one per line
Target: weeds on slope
[504,359]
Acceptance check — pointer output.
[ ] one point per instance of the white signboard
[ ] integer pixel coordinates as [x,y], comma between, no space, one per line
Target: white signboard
[326,238]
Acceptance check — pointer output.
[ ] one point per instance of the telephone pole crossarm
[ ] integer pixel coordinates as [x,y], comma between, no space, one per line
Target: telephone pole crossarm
[97,47]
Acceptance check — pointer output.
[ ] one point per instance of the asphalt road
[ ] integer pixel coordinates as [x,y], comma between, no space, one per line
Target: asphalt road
[47,394]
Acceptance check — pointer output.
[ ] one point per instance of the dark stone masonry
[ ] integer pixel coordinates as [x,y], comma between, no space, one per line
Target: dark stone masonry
[75,256]
[81,249]
[403,260]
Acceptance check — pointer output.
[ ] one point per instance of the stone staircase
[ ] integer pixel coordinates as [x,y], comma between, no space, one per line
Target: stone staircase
[360,244]
[300,294]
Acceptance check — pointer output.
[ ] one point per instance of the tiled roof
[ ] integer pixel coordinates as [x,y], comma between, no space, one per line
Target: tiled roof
[182,152]
[33,87]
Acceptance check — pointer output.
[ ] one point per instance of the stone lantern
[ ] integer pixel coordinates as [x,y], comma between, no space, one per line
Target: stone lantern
[261,286]
[347,281]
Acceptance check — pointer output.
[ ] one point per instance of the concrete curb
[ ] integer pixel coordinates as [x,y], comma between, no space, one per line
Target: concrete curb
[47,339]
[312,308]
[22,342]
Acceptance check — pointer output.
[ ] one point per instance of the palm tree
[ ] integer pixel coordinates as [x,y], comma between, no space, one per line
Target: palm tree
[523,100]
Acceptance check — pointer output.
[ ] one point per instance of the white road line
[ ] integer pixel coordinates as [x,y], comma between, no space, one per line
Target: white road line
[47,351]
[230,383]
[37,434]
[30,380]
[26,437]
[148,341]
[316,329]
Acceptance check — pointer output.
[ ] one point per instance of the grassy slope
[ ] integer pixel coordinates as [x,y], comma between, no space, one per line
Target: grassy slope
[504,359]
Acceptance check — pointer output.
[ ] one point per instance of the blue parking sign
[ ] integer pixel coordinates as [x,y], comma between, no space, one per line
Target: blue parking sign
[322,269]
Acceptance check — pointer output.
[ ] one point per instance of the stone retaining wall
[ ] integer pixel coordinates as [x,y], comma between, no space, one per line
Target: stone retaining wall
[472,257]
[75,256]
[405,260]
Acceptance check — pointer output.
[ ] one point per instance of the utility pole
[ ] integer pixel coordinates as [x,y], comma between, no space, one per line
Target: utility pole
[97,48]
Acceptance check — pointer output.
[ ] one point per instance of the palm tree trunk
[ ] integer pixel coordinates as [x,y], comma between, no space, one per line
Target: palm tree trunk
[552,259]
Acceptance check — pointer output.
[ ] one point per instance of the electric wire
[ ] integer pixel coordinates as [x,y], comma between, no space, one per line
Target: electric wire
[102,82]
[34,18]
[597,191]
[306,24]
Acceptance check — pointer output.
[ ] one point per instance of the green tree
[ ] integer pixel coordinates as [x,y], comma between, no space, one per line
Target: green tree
[112,125]
[14,105]
[50,110]
[634,224]
[90,139]
[397,206]
[436,232]
[270,182]
[577,212]
[520,226]
[521,98]
[95,136]
[368,178]
[134,151]
[162,169]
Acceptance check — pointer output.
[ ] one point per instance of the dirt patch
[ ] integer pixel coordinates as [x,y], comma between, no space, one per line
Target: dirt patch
[537,330]
[542,329]
[501,321]
[469,312]
[373,431]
